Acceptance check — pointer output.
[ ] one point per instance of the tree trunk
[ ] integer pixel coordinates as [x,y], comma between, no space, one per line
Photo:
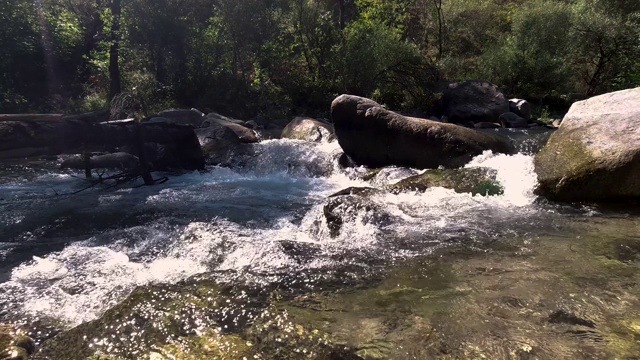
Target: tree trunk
[114,50]
[167,146]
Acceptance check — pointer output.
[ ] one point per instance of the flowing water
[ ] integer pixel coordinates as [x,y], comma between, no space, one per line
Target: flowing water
[239,263]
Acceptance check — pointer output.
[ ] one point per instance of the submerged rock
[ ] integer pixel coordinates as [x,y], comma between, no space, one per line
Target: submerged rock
[595,154]
[308,129]
[376,137]
[192,320]
[151,317]
[353,204]
[474,101]
[477,181]
[14,345]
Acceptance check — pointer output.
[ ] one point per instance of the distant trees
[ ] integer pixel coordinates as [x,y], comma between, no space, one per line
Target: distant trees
[274,57]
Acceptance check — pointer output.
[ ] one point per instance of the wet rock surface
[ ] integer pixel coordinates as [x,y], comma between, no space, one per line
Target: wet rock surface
[373,136]
[477,181]
[308,129]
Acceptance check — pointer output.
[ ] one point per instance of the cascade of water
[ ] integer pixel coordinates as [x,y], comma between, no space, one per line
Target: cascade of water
[243,219]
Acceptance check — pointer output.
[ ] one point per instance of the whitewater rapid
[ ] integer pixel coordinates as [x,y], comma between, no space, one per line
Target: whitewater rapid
[241,221]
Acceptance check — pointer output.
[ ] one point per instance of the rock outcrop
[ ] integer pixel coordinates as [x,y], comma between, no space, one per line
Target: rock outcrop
[219,143]
[239,127]
[307,129]
[595,154]
[351,205]
[373,136]
[474,101]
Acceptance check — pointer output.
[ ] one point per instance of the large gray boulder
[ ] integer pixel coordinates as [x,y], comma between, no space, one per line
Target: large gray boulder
[595,154]
[244,133]
[373,136]
[303,128]
[219,143]
[474,101]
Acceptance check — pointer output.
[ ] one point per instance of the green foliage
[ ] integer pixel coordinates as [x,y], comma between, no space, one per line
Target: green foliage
[278,57]
[532,60]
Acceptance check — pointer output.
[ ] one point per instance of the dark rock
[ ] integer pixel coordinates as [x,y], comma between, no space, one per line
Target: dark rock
[308,129]
[487,125]
[219,143]
[191,117]
[373,136]
[595,154]
[511,120]
[217,117]
[344,161]
[477,181]
[252,124]
[520,107]
[348,205]
[26,343]
[388,175]
[565,317]
[245,134]
[360,191]
[14,345]
[476,101]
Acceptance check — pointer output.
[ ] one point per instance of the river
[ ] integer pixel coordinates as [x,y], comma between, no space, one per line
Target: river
[443,275]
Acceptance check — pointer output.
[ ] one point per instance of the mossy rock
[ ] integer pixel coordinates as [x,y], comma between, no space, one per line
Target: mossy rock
[282,333]
[477,181]
[14,344]
[151,317]
[211,345]
[595,154]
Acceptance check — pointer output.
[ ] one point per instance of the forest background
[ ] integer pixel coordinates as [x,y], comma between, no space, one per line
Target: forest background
[277,58]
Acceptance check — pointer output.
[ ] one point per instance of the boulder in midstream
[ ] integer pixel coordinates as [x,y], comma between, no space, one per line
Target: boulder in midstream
[373,136]
[595,154]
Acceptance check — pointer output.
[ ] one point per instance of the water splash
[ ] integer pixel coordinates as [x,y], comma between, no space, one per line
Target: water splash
[264,217]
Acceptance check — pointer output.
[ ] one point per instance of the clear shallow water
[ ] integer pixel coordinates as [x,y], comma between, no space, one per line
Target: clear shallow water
[68,259]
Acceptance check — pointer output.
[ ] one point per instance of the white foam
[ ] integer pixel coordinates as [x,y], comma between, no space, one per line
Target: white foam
[78,283]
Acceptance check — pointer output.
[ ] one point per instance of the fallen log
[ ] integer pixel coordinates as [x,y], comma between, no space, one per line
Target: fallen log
[167,146]
[92,117]
[31,117]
